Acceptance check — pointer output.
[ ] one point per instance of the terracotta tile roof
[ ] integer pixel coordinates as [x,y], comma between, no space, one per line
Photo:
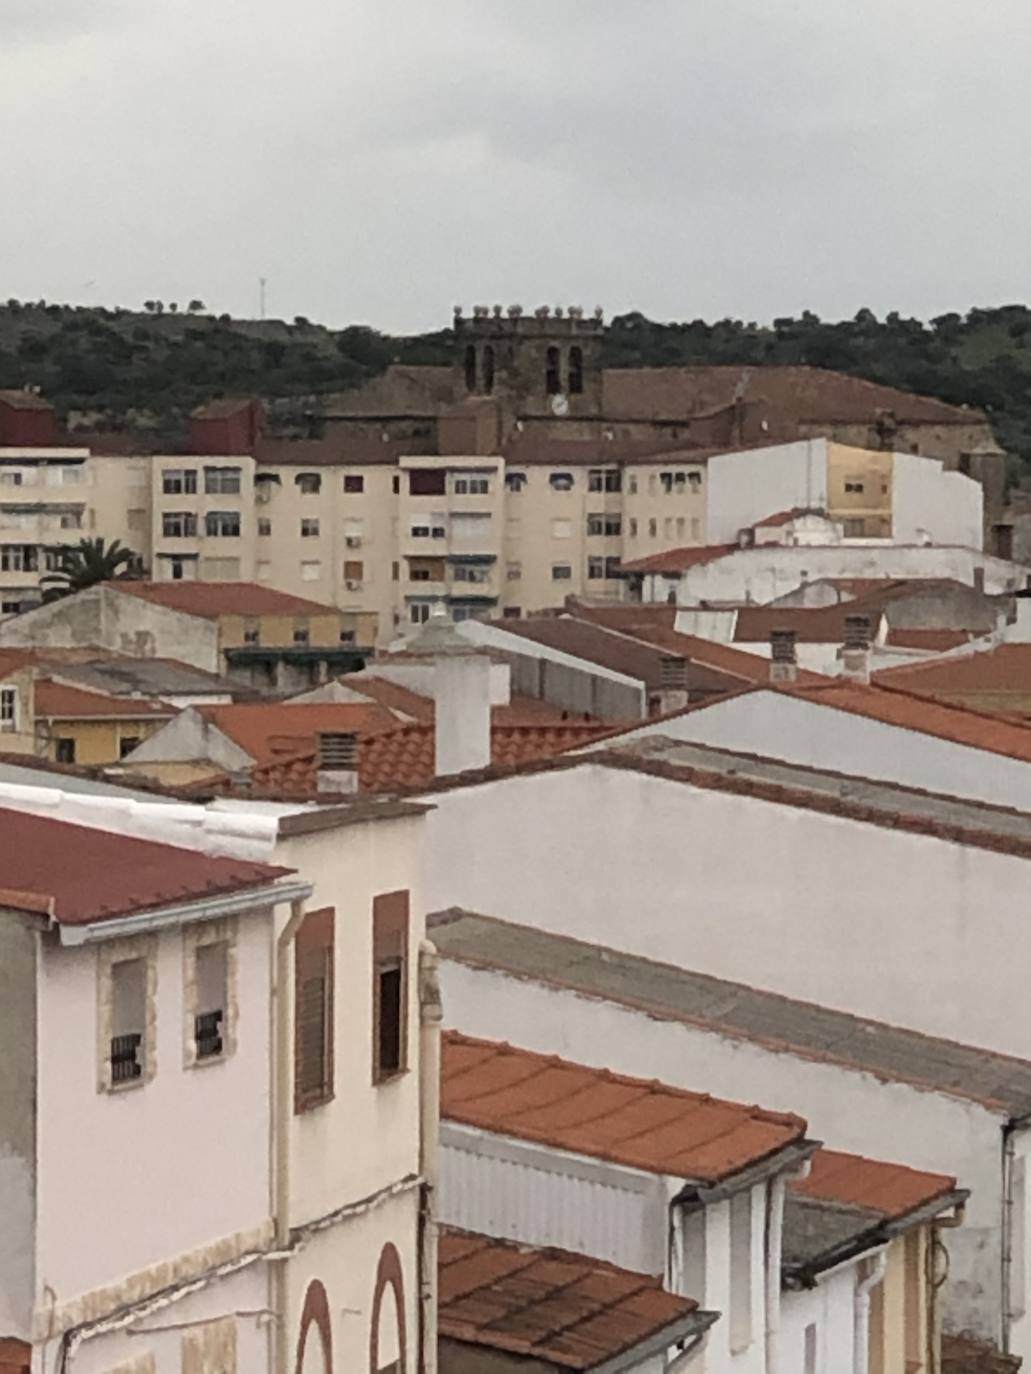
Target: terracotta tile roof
[786,397]
[678,560]
[62,701]
[272,731]
[933,641]
[785,517]
[85,875]
[214,599]
[338,450]
[1006,668]
[550,1305]
[403,758]
[628,1121]
[891,1190]
[910,711]
[391,695]
[812,625]
[964,1355]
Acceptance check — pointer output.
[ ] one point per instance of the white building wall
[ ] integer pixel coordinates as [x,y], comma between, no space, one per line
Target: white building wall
[804,903]
[847,1109]
[830,1307]
[500,1188]
[749,486]
[762,574]
[114,1197]
[798,731]
[241,1300]
[932,505]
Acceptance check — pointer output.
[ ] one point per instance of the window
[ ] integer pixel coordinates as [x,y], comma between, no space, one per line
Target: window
[515,481]
[694,480]
[511,612]
[179,524]
[126,1052]
[854,529]
[467,572]
[10,479]
[741,1270]
[595,568]
[561,481]
[604,479]
[576,370]
[631,484]
[488,369]
[604,524]
[308,483]
[354,483]
[419,612]
[854,485]
[673,482]
[354,570]
[395,572]
[420,531]
[223,524]
[613,566]
[427,482]
[19,558]
[211,978]
[389,985]
[222,481]
[552,377]
[513,572]
[127,744]
[561,572]
[633,527]
[71,520]
[420,575]
[313,1011]
[252,634]
[8,708]
[653,527]
[179,481]
[64,749]
[302,634]
[395,483]
[681,523]
[310,527]
[470,367]
[264,526]
[471,486]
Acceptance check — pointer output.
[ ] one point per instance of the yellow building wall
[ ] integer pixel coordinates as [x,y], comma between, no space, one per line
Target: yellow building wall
[277,631]
[869,470]
[900,1319]
[96,741]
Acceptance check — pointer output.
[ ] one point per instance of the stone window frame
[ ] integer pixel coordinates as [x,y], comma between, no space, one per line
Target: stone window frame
[223,931]
[113,952]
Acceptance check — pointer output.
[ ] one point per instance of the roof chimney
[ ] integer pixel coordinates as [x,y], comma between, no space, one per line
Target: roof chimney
[673,686]
[855,652]
[783,656]
[461,694]
[338,763]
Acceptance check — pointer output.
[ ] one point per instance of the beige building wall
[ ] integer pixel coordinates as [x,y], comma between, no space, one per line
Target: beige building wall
[859,487]
[904,1338]
[203,518]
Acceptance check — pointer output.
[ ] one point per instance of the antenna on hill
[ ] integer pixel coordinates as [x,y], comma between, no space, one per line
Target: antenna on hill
[261,297]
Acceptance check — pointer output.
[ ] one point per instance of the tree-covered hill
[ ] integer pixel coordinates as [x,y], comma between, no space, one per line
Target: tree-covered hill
[149,368]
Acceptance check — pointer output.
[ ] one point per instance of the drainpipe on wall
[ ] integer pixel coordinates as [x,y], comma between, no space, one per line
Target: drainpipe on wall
[281,1120]
[861,1314]
[430,1017]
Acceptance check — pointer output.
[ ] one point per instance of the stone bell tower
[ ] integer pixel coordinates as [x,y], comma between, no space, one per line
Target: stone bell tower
[547,364]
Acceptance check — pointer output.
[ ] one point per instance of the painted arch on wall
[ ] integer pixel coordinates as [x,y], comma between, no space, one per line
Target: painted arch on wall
[387,1333]
[315,1341]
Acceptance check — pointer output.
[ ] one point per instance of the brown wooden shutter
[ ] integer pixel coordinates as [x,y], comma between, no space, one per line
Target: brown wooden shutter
[313,1010]
[389,984]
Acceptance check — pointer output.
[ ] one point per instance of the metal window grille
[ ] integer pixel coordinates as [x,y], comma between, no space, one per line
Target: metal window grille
[125,1057]
[207,1033]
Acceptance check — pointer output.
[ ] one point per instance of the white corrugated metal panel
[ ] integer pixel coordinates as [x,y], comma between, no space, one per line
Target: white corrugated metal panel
[581,1210]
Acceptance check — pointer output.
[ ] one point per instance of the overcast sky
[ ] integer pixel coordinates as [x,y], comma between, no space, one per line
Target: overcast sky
[381,160]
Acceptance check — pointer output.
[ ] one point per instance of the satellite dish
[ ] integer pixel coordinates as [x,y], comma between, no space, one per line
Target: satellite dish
[559,405]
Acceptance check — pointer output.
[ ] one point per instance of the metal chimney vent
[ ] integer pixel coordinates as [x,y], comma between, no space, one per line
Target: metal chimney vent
[338,752]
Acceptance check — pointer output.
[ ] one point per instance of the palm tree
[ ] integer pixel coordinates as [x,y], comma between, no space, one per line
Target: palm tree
[84,564]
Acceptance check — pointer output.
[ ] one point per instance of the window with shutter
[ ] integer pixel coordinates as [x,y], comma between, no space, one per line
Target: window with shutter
[389,985]
[313,1011]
